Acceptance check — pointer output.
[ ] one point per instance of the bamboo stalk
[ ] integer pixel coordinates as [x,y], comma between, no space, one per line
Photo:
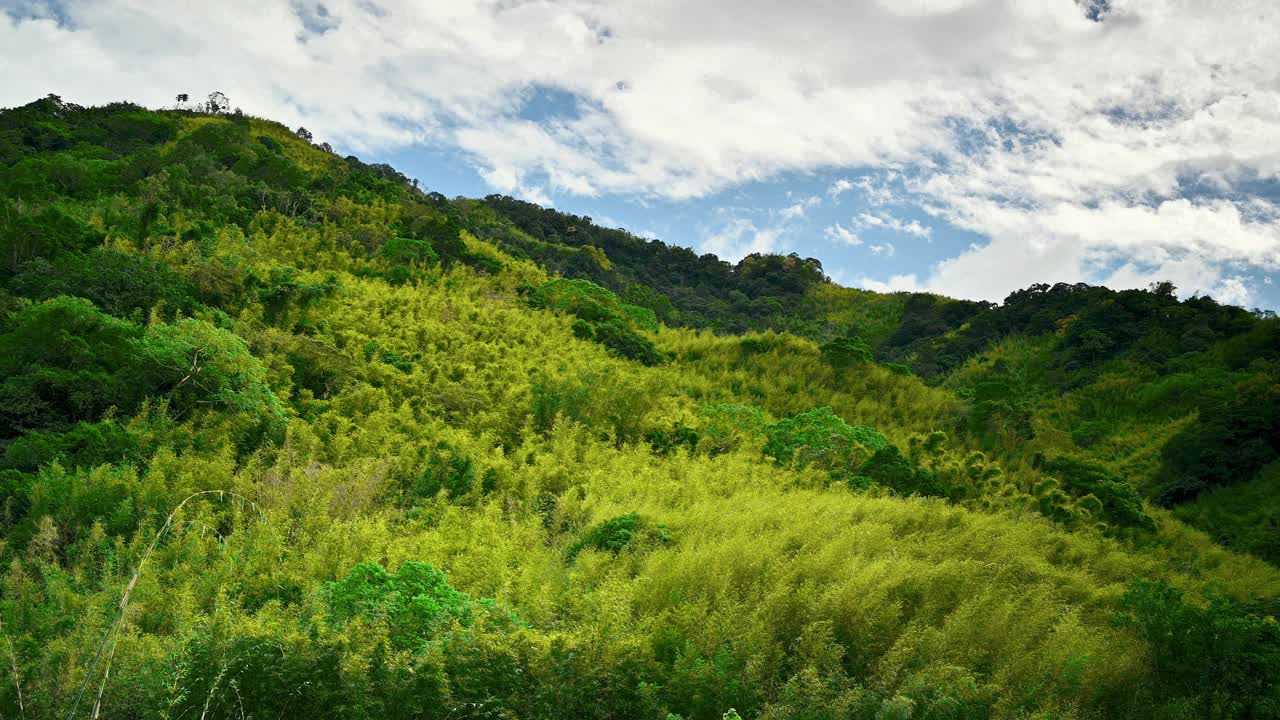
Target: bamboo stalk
[128,592]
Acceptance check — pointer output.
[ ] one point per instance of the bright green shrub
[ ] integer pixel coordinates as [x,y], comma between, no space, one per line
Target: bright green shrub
[820,437]
[409,251]
[580,298]
[196,364]
[602,317]
[414,603]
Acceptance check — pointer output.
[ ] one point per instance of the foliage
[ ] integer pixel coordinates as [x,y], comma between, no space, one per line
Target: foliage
[1191,642]
[602,317]
[63,362]
[413,602]
[821,438]
[930,470]
[121,284]
[194,363]
[729,426]
[846,352]
[620,533]
[447,470]
[392,455]
[1116,502]
[1234,439]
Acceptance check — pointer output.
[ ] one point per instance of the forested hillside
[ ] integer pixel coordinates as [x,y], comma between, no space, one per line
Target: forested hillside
[283,435]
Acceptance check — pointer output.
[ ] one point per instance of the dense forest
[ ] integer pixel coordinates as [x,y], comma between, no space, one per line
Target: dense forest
[283,434]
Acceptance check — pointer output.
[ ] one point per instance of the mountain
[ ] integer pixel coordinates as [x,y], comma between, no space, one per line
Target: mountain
[284,435]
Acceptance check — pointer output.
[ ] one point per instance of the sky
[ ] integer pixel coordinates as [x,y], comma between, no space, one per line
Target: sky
[965,147]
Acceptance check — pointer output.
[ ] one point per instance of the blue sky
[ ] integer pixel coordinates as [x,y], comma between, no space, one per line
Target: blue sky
[968,147]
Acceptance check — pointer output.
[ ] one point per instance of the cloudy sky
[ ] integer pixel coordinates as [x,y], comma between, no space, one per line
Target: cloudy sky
[968,147]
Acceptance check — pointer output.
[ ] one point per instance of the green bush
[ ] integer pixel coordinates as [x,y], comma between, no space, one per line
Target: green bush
[85,445]
[627,343]
[820,437]
[44,234]
[195,364]
[119,283]
[62,362]
[846,352]
[414,603]
[620,533]
[445,469]
[1211,661]
[602,317]
[728,425]
[409,251]
[1118,503]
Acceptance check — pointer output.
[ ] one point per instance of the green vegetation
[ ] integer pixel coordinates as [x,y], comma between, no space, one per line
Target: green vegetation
[283,435]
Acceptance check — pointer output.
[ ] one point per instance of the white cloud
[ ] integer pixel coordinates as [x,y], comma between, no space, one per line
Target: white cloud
[886,221]
[1068,143]
[1234,291]
[896,283]
[842,234]
[885,249]
[1193,244]
[740,237]
[874,192]
[840,187]
[799,209]
[535,194]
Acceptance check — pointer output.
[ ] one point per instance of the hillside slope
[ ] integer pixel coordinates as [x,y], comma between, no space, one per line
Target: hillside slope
[283,436]
[1179,397]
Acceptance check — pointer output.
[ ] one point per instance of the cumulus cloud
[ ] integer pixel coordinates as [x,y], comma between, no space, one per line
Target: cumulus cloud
[1075,137]
[896,283]
[1195,244]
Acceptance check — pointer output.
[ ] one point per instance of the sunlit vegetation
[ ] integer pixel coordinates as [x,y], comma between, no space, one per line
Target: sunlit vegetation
[401,456]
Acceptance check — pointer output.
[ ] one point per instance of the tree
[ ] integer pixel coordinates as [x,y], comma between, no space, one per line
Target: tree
[413,602]
[821,438]
[217,103]
[1215,660]
[304,133]
[183,98]
[62,362]
[196,363]
[846,352]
